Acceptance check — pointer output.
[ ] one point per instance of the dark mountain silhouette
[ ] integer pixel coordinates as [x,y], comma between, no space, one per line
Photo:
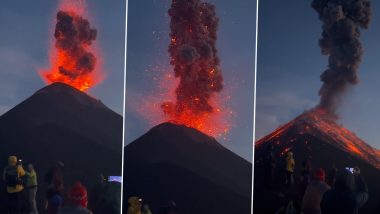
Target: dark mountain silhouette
[61,123]
[328,143]
[174,162]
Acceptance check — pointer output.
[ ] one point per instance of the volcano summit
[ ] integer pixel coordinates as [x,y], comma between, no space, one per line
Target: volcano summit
[61,123]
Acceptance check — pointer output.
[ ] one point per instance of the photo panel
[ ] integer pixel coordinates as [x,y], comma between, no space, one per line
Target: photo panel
[189,106]
[316,147]
[61,106]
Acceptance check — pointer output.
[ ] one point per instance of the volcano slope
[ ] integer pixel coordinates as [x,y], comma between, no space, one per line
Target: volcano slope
[61,123]
[174,162]
[328,143]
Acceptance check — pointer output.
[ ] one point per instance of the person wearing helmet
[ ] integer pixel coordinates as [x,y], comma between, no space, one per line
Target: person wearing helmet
[12,177]
[314,193]
[289,171]
[77,201]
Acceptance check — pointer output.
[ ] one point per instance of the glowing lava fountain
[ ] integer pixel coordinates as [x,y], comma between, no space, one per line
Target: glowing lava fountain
[74,59]
[196,64]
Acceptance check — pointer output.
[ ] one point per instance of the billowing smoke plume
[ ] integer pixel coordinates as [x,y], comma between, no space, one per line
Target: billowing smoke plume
[342,21]
[73,35]
[193,54]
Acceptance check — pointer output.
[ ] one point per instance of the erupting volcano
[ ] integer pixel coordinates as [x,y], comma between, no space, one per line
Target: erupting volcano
[316,133]
[194,56]
[73,58]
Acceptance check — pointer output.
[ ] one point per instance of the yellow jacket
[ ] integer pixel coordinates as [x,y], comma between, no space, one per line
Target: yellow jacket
[290,163]
[12,161]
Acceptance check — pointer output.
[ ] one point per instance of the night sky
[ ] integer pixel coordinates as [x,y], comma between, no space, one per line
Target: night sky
[26,32]
[290,63]
[148,39]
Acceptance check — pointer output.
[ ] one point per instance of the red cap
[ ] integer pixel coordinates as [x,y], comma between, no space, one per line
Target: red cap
[78,195]
[319,174]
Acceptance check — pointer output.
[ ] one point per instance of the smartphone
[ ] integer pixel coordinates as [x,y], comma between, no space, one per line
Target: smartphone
[115,179]
[350,169]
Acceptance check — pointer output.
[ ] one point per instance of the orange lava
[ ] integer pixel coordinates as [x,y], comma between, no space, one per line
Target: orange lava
[216,124]
[59,57]
[318,123]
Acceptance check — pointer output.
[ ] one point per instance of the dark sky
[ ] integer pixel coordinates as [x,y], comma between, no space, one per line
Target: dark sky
[25,37]
[290,63]
[148,39]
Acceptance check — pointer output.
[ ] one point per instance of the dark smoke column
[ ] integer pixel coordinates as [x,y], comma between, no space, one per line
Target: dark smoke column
[342,21]
[73,35]
[194,57]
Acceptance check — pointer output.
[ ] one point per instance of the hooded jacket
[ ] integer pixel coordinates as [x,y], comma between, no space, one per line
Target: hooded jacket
[12,162]
[347,196]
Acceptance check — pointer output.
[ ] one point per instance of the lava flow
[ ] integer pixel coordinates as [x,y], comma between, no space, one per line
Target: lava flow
[194,56]
[73,57]
[319,124]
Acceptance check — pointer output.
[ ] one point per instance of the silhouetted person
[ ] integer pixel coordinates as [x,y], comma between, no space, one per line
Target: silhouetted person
[54,180]
[96,193]
[314,193]
[31,186]
[331,175]
[77,201]
[289,169]
[12,176]
[146,209]
[347,195]
[54,204]
[269,166]
[170,208]
[109,198]
[307,168]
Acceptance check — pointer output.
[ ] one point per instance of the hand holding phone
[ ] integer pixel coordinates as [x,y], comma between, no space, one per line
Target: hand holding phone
[356,170]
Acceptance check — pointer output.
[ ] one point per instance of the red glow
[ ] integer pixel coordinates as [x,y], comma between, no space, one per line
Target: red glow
[216,124]
[59,57]
[318,123]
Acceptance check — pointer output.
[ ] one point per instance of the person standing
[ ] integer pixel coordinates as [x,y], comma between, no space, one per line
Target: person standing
[348,194]
[306,174]
[77,201]
[31,185]
[289,170]
[12,177]
[314,193]
[54,180]
[269,166]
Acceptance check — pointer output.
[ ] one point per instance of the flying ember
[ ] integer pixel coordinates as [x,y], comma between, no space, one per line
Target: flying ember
[196,64]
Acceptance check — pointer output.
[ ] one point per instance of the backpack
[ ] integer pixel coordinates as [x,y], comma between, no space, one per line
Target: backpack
[11,176]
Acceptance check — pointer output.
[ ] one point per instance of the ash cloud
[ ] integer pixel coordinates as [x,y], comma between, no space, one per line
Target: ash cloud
[193,54]
[342,21]
[73,35]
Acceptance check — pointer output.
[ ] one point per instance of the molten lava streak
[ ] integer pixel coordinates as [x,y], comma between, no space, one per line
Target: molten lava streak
[194,56]
[318,123]
[73,58]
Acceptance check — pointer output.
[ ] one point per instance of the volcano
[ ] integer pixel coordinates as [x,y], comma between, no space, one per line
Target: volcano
[61,123]
[314,134]
[175,162]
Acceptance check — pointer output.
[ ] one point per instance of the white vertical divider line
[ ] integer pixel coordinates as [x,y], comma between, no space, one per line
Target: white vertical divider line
[254,104]
[125,87]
